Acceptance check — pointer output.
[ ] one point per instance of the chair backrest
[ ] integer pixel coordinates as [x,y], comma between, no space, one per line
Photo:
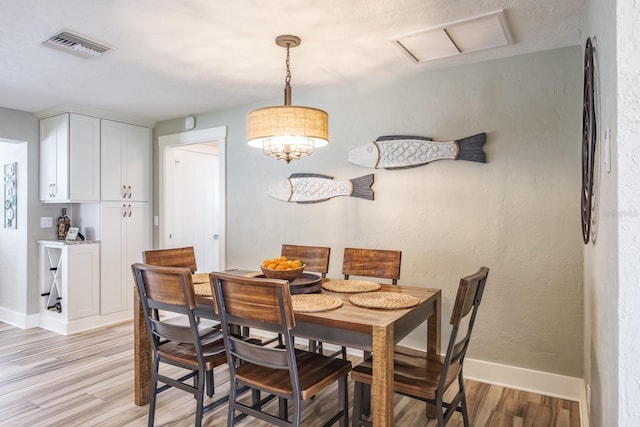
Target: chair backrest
[465,308]
[174,257]
[316,258]
[259,303]
[169,289]
[379,263]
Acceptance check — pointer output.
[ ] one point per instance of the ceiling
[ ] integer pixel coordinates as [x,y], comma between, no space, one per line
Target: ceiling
[173,58]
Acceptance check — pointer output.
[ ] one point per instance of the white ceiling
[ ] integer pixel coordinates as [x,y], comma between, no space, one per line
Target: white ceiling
[173,58]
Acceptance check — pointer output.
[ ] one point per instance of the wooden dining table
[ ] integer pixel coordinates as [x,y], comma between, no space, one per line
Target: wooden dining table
[376,330]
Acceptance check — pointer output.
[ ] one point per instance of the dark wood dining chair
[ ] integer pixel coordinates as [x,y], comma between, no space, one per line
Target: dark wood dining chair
[173,257]
[315,258]
[375,263]
[289,374]
[372,263]
[170,290]
[428,377]
[182,257]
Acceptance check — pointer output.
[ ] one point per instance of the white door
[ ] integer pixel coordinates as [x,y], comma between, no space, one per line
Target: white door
[194,187]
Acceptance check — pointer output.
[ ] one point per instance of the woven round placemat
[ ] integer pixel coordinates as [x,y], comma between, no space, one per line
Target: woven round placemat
[351,286]
[313,303]
[386,300]
[201,278]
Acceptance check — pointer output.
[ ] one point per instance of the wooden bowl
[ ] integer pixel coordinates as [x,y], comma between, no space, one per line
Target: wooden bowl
[282,274]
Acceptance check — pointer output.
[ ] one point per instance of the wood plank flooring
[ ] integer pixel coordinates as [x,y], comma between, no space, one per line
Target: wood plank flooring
[86,379]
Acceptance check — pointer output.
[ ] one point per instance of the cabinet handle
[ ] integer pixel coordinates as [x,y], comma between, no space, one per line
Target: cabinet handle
[124,211]
[55,190]
[129,211]
[129,191]
[50,190]
[124,191]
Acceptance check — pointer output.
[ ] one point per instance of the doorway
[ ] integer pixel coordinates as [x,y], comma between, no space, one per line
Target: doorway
[192,194]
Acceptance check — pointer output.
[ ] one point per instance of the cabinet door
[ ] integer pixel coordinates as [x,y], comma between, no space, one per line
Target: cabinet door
[138,240]
[126,233]
[83,280]
[138,163]
[112,299]
[54,150]
[113,141]
[125,162]
[84,158]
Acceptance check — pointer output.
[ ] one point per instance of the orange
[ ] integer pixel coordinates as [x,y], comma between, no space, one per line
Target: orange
[272,266]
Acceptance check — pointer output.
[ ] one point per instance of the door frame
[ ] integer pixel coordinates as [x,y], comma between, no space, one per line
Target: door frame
[213,135]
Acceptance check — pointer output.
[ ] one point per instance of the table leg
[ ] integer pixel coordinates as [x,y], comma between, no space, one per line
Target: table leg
[141,353]
[433,327]
[382,387]
[433,342]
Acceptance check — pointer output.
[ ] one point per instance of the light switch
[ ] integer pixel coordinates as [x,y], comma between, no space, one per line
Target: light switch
[607,151]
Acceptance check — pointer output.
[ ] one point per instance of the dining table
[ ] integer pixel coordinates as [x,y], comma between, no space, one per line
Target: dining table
[350,325]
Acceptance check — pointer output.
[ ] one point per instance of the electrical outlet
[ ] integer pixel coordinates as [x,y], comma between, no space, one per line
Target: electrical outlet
[46,222]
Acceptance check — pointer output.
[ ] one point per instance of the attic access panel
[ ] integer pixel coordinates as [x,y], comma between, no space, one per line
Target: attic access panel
[469,35]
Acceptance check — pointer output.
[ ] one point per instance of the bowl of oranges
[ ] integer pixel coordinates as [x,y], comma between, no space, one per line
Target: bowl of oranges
[282,268]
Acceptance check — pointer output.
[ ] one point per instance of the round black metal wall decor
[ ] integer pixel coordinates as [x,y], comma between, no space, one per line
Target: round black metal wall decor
[588,141]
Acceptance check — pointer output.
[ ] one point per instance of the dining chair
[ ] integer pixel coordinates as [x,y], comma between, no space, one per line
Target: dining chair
[290,374]
[170,290]
[375,263]
[427,377]
[316,260]
[182,257]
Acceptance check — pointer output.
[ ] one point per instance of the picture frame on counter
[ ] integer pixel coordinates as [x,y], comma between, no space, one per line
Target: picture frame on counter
[72,234]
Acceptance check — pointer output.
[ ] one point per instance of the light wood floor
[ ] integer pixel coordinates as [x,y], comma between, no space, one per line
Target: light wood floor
[86,379]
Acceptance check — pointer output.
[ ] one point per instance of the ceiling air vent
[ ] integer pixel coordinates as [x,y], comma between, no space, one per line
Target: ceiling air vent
[75,44]
[469,35]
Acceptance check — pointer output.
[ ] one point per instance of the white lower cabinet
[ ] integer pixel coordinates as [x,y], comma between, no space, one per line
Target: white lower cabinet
[126,233]
[69,284]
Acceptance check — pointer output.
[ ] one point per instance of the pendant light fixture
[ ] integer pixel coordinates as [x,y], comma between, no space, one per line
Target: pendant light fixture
[287,132]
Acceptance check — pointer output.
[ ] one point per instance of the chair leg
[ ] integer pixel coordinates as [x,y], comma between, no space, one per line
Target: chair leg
[463,401]
[200,397]
[439,412]
[343,395]
[357,404]
[210,384]
[283,408]
[366,400]
[154,391]
[233,395]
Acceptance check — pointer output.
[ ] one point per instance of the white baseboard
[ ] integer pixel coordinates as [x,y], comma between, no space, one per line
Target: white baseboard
[548,384]
[20,320]
[539,382]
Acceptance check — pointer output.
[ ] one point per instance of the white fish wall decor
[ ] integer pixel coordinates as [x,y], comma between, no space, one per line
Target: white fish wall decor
[313,188]
[405,151]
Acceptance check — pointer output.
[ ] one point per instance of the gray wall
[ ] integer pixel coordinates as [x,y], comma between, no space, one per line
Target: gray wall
[601,257]
[517,214]
[23,126]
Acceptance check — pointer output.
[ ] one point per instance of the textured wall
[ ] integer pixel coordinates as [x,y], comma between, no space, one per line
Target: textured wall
[601,257]
[628,59]
[517,214]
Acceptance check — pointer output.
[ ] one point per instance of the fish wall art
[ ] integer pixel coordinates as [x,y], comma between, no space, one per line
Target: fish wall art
[405,151]
[314,188]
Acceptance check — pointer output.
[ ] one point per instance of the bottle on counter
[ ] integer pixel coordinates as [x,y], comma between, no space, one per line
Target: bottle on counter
[64,222]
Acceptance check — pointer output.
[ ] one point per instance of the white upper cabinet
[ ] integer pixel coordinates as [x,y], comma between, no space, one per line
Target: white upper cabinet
[125,162]
[70,158]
